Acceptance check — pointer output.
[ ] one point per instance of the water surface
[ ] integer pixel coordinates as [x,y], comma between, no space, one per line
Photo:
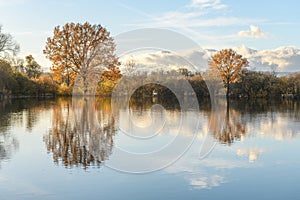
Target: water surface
[64,149]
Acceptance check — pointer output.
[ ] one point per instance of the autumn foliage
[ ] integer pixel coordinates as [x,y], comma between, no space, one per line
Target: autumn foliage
[81,49]
[229,65]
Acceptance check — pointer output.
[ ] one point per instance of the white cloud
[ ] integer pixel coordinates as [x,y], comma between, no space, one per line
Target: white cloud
[206,182]
[196,14]
[185,20]
[204,4]
[252,154]
[281,130]
[254,31]
[198,19]
[168,60]
[282,59]
[245,51]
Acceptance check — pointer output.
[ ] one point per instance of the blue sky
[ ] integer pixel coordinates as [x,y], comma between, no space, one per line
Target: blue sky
[211,23]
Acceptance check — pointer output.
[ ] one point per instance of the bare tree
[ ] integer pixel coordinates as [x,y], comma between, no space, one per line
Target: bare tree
[7,44]
[16,63]
[130,66]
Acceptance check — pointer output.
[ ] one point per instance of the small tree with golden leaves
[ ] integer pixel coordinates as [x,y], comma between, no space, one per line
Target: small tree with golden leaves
[229,65]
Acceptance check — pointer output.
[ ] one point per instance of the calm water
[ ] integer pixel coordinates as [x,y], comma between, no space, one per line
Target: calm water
[64,149]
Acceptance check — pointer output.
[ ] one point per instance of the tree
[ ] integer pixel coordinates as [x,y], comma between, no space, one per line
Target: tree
[14,82]
[294,81]
[32,68]
[7,81]
[7,44]
[46,85]
[260,85]
[16,63]
[200,85]
[81,143]
[230,128]
[229,65]
[108,81]
[80,49]
[24,86]
[130,66]
[184,71]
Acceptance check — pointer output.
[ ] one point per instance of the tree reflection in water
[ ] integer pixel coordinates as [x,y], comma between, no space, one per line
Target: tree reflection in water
[82,132]
[226,124]
[8,143]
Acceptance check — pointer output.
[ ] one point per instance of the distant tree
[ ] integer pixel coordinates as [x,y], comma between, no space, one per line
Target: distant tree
[260,85]
[5,66]
[7,44]
[24,86]
[294,84]
[7,81]
[229,65]
[32,68]
[16,63]
[184,71]
[130,65]
[108,81]
[199,85]
[80,49]
[46,85]
[14,82]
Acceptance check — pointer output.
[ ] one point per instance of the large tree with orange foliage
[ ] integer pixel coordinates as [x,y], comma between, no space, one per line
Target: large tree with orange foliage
[80,49]
[229,65]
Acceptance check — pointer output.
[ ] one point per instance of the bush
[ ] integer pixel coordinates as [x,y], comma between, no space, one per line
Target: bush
[24,86]
[64,90]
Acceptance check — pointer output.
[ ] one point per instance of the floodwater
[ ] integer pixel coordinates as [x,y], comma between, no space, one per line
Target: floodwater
[99,149]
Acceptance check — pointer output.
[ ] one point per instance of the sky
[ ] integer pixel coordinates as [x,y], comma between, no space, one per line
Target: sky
[217,24]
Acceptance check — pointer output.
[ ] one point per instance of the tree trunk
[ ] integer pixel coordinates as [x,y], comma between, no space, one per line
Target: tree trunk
[227,108]
[68,78]
[85,86]
[227,93]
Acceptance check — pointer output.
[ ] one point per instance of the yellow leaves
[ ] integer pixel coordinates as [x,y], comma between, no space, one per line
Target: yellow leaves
[75,45]
[229,65]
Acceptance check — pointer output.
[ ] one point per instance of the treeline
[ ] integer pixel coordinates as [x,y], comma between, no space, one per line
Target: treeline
[75,54]
[252,85]
[24,81]
[260,85]
[266,85]
[77,61]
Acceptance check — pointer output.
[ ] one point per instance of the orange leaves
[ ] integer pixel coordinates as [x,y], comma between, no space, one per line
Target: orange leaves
[229,65]
[77,46]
